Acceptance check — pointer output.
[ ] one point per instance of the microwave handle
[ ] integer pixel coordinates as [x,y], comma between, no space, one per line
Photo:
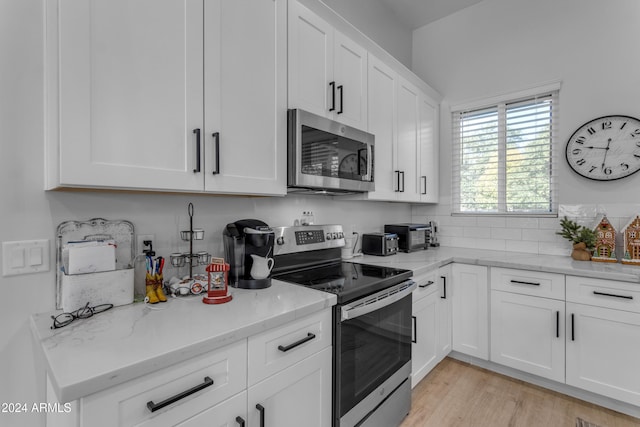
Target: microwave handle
[368,176]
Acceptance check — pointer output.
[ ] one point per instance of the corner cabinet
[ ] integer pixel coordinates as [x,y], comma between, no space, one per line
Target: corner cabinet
[166,95]
[327,70]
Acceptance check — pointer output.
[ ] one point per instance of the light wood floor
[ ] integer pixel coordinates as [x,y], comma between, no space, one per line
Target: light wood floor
[458,394]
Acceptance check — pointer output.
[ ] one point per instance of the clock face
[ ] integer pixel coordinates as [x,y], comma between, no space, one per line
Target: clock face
[606,148]
[349,165]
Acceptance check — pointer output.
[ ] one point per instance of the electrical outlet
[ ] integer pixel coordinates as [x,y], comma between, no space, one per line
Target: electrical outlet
[140,238]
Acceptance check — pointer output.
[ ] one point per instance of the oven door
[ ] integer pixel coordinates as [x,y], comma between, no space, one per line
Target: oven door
[373,346]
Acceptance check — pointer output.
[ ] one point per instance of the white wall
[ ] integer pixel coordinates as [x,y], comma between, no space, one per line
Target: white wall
[27,212]
[379,23]
[502,46]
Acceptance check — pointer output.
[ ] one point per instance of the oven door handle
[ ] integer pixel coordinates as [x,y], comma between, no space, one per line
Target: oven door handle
[377,301]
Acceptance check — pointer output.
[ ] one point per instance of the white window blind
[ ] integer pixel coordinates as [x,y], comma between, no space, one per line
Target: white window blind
[503,157]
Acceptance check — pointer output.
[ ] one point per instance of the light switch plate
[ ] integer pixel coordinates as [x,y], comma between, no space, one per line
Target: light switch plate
[24,257]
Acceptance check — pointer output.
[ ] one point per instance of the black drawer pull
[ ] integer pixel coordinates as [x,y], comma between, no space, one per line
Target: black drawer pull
[240,421]
[429,283]
[612,295]
[519,282]
[260,408]
[155,406]
[444,287]
[415,329]
[309,337]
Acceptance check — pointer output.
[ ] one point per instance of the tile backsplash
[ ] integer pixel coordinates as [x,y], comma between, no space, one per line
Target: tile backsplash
[526,234]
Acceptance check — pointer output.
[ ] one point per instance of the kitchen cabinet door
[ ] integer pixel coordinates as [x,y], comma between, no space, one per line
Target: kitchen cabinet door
[444,312]
[350,75]
[470,294]
[297,396]
[603,350]
[428,148]
[408,139]
[327,70]
[125,93]
[382,84]
[244,142]
[527,333]
[424,355]
[310,61]
[229,413]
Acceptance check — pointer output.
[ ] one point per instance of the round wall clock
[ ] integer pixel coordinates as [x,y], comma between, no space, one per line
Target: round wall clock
[605,148]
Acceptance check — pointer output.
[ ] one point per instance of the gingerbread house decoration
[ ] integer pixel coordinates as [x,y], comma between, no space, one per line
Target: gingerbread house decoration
[631,245]
[605,250]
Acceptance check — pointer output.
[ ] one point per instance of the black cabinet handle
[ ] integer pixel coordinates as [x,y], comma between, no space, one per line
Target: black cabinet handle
[557,324]
[309,337]
[519,282]
[573,330]
[260,408]
[240,421]
[156,406]
[424,183]
[415,329]
[341,99]
[429,283]
[216,137]
[402,174]
[397,190]
[197,132]
[332,85]
[444,285]
[612,295]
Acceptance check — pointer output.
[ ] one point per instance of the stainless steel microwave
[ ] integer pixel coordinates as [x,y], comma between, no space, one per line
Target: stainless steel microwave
[325,156]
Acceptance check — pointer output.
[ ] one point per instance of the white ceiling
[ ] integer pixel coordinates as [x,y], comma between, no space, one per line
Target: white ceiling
[416,13]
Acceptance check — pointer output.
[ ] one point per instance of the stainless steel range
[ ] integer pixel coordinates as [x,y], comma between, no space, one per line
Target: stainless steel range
[372,326]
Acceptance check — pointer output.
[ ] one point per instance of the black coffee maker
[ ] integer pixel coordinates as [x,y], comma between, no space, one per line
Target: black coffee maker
[248,247]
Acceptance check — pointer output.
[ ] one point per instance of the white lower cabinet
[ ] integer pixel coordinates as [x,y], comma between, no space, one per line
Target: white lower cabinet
[527,333]
[470,299]
[603,337]
[431,324]
[298,396]
[283,374]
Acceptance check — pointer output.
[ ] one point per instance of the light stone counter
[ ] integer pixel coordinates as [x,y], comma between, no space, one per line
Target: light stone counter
[432,258]
[126,342]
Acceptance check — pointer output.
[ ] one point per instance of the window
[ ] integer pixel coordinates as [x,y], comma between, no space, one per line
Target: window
[503,157]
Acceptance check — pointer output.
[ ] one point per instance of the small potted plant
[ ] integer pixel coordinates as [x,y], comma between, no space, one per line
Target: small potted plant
[583,239]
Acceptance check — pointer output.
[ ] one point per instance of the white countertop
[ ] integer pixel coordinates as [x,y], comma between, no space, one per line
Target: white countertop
[423,261]
[110,348]
[125,342]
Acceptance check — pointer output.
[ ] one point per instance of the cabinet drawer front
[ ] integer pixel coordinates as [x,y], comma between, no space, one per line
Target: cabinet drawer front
[427,284]
[282,347]
[604,293]
[128,403]
[526,282]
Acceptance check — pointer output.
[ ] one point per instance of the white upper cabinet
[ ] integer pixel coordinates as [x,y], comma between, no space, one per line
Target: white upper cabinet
[327,70]
[429,150]
[245,97]
[383,82]
[136,91]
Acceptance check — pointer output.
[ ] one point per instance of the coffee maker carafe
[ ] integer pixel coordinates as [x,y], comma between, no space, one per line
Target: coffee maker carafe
[248,247]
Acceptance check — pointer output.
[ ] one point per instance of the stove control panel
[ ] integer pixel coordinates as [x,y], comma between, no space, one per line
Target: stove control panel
[307,238]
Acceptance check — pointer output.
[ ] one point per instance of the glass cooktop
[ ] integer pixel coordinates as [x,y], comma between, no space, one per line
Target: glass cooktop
[348,280]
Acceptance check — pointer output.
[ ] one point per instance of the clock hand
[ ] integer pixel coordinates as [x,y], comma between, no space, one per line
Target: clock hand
[606,152]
